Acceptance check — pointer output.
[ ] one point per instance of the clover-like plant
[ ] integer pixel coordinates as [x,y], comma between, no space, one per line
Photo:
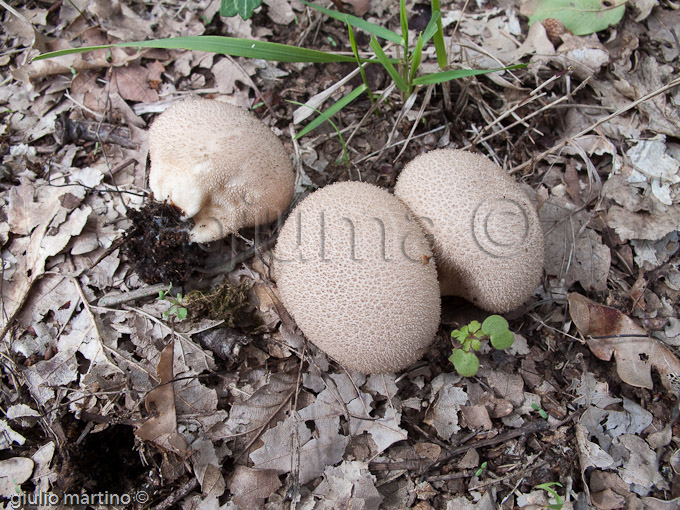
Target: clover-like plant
[176,309]
[494,328]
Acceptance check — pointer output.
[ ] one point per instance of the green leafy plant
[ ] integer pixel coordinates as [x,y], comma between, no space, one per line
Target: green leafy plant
[581,17]
[548,487]
[405,74]
[243,8]
[176,309]
[541,411]
[494,328]
[481,469]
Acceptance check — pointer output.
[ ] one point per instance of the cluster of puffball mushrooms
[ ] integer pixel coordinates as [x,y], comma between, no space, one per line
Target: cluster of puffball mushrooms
[360,270]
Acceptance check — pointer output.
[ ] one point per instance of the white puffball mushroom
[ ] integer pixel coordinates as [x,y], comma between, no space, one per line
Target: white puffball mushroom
[220,165]
[486,235]
[354,270]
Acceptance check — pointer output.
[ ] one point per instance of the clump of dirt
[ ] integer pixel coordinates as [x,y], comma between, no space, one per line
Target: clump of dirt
[225,302]
[157,244]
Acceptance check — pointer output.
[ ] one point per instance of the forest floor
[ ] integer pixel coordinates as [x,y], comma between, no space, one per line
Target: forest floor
[108,398]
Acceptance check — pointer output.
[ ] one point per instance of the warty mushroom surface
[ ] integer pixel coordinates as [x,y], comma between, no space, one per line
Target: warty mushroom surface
[356,273]
[486,235]
[220,165]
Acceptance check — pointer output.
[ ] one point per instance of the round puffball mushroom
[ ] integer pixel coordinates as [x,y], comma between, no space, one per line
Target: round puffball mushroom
[355,271]
[220,165]
[486,236]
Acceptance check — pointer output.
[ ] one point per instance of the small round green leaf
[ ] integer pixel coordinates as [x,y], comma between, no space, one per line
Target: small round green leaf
[494,324]
[475,344]
[502,340]
[465,363]
[474,326]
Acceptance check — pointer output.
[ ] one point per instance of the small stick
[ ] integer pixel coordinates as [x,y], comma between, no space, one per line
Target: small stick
[112,300]
[178,495]
[597,124]
[452,452]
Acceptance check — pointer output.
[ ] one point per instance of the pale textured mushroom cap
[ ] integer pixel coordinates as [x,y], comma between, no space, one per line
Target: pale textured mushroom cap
[486,235]
[353,268]
[220,165]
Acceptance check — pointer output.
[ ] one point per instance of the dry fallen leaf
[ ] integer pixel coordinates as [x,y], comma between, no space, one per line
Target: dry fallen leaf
[206,465]
[608,332]
[161,428]
[641,466]
[654,167]
[250,414]
[350,485]
[443,415]
[15,471]
[573,251]
[250,487]
[290,444]
[643,225]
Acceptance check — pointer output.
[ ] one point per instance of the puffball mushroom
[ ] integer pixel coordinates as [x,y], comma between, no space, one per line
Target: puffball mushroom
[220,165]
[355,271]
[486,236]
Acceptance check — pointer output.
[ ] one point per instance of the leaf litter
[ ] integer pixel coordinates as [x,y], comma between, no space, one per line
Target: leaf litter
[255,427]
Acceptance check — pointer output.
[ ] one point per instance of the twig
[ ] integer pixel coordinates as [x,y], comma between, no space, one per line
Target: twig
[494,481]
[524,119]
[400,142]
[184,338]
[597,124]
[455,28]
[173,499]
[230,265]
[112,300]
[533,96]
[260,429]
[14,12]
[425,465]
[294,489]
[120,241]
[416,122]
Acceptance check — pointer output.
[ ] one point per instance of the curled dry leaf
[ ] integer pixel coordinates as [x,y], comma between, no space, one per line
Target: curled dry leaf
[608,332]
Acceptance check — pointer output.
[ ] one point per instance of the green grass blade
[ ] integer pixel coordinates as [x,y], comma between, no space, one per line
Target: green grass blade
[403,19]
[345,154]
[432,27]
[339,105]
[415,59]
[382,58]
[459,73]
[355,50]
[377,30]
[439,45]
[235,47]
